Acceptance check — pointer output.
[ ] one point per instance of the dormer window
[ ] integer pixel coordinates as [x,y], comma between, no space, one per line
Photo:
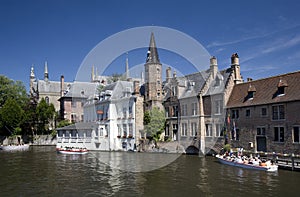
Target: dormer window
[217,81]
[251,92]
[282,84]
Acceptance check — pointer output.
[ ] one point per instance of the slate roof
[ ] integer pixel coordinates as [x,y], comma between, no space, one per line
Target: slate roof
[218,85]
[118,88]
[198,79]
[266,91]
[49,86]
[81,89]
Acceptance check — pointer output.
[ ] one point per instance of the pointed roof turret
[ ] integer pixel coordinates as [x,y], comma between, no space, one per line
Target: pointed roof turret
[46,74]
[127,68]
[93,74]
[32,75]
[152,55]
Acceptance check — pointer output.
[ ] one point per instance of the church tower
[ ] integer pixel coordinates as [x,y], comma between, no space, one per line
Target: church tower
[153,77]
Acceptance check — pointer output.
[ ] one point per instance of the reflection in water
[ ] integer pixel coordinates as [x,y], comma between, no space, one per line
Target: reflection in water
[203,177]
[135,162]
[42,172]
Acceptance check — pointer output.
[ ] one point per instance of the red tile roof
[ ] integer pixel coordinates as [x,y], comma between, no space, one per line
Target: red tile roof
[266,91]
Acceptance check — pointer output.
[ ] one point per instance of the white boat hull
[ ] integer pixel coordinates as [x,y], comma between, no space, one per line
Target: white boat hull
[271,168]
[15,147]
[72,152]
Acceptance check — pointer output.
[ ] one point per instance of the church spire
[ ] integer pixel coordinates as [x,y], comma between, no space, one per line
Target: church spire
[127,68]
[152,55]
[46,75]
[93,74]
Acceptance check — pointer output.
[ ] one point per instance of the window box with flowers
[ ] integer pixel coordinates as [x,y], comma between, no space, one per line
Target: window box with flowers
[124,136]
[118,136]
[130,136]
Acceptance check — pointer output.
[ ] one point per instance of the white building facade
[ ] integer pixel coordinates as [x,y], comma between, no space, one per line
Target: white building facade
[109,121]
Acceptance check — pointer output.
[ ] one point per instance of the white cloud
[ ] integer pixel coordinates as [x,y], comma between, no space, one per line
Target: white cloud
[282,43]
[255,35]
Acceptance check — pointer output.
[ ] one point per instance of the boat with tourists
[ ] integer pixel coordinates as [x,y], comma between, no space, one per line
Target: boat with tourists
[20,147]
[253,163]
[72,150]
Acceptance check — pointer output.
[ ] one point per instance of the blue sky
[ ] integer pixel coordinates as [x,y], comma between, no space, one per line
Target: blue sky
[265,34]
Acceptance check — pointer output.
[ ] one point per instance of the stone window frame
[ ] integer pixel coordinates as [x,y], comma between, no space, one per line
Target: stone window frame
[261,130]
[298,131]
[264,114]
[194,109]
[208,130]
[279,114]
[235,114]
[278,136]
[167,130]
[184,129]
[184,110]
[219,130]
[125,133]
[218,106]
[248,113]
[193,129]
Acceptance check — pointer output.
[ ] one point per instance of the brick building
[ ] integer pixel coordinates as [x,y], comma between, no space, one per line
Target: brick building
[264,114]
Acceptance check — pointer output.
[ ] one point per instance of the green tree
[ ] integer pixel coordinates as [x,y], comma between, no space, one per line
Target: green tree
[14,90]
[154,121]
[13,100]
[45,114]
[11,115]
[63,123]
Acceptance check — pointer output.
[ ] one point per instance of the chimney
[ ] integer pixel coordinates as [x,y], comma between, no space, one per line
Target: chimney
[174,74]
[249,79]
[235,59]
[136,86]
[235,67]
[168,74]
[62,81]
[213,66]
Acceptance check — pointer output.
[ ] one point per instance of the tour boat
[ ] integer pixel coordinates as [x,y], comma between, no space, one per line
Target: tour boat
[22,147]
[72,150]
[267,166]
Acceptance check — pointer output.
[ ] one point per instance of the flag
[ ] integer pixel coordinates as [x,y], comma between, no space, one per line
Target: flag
[228,119]
[234,131]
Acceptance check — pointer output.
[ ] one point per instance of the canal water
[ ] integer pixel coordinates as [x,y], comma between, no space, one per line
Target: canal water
[42,172]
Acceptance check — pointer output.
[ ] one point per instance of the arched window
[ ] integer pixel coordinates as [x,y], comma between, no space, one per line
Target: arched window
[47,100]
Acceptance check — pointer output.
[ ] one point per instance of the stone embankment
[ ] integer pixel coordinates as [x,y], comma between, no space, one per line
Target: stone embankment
[161,147]
[39,140]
